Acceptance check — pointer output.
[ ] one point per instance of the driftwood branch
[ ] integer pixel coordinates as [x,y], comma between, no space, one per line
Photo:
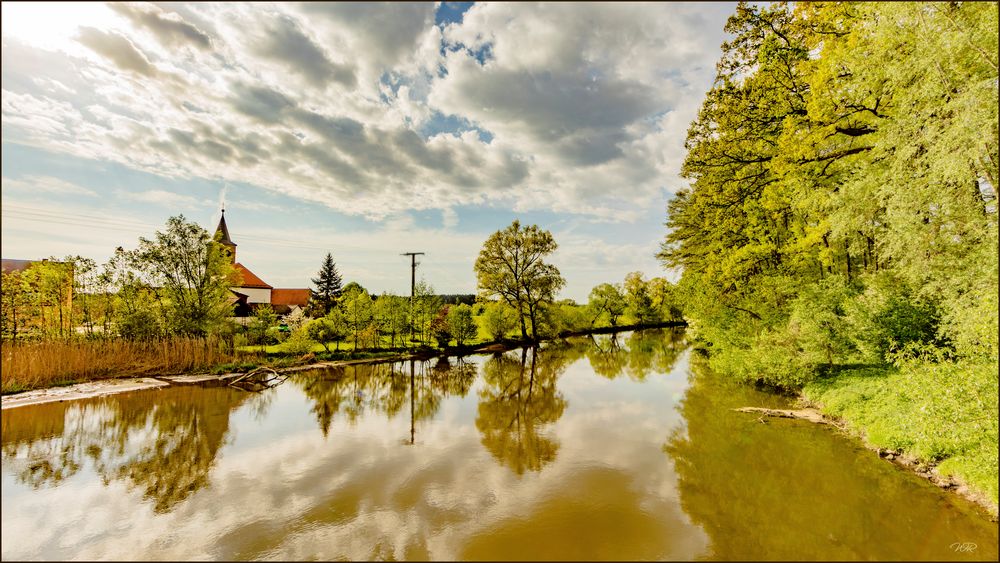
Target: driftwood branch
[255,372]
[812,415]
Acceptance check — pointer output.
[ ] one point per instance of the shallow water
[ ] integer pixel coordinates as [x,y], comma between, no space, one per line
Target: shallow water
[606,448]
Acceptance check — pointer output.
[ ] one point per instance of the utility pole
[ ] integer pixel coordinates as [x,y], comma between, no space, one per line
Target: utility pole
[413,284]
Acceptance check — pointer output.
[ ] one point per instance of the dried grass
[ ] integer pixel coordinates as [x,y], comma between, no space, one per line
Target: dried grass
[32,365]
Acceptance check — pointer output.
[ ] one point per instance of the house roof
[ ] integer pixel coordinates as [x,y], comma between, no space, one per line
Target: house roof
[11,265]
[249,278]
[298,297]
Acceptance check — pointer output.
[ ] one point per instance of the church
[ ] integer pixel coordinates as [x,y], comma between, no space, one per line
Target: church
[250,292]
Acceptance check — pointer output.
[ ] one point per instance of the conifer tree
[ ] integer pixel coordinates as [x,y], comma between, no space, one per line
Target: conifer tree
[328,285]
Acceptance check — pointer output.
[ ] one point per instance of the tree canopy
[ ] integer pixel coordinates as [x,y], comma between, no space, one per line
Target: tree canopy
[511,266]
[850,147]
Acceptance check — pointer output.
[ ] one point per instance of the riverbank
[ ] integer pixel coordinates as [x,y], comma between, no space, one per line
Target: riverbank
[85,388]
[938,419]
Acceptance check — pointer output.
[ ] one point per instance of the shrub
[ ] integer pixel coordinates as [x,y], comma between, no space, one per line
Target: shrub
[497,320]
[460,323]
[299,342]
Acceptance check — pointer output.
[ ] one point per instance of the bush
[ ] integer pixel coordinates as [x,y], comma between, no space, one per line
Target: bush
[887,317]
[460,323]
[818,322]
[774,358]
[274,335]
[299,342]
[141,324]
[497,320]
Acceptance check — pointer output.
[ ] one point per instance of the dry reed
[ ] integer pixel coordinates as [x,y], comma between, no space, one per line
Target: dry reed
[32,365]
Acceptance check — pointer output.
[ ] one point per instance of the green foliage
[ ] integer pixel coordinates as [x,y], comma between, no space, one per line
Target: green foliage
[511,266]
[263,319]
[351,288]
[299,342]
[358,313]
[842,204]
[274,335]
[639,301]
[498,319]
[139,324]
[324,331]
[460,323]
[193,274]
[818,321]
[887,317]
[606,303]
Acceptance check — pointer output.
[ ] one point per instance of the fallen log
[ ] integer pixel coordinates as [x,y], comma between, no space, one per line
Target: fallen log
[812,415]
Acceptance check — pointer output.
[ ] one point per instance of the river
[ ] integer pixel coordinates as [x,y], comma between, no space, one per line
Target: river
[611,447]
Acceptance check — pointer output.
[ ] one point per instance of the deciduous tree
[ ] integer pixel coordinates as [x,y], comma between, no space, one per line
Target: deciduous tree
[511,266]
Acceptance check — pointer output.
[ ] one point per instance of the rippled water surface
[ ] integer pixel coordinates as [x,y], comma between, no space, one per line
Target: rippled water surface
[601,448]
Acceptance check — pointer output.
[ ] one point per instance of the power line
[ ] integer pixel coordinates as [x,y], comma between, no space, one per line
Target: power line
[37,215]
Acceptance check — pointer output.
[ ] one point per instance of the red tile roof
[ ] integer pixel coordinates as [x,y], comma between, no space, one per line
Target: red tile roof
[11,265]
[250,279]
[298,297]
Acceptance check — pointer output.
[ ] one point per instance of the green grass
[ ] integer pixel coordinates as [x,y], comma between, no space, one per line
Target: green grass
[943,412]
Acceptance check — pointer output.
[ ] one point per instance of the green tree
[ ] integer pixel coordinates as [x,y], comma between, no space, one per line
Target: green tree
[640,302]
[498,319]
[193,273]
[328,285]
[426,305]
[393,311]
[606,299]
[351,288]
[511,266]
[15,300]
[460,323]
[358,313]
[263,318]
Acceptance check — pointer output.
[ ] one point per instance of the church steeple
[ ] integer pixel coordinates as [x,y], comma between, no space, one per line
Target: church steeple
[225,240]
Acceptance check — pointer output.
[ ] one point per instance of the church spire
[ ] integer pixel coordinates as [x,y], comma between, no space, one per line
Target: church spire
[225,240]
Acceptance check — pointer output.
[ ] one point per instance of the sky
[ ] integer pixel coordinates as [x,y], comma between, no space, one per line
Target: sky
[364,130]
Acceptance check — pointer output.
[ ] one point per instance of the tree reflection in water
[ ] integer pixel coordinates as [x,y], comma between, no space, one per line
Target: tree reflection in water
[643,352]
[188,425]
[518,400]
[385,389]
[780,490]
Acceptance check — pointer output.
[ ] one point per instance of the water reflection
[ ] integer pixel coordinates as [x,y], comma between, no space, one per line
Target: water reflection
[163,443]
[791,489]
[636,353]
[385,389]
[516,404]
[522,455]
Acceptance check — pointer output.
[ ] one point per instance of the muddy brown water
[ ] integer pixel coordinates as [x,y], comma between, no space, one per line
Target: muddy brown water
[612,447]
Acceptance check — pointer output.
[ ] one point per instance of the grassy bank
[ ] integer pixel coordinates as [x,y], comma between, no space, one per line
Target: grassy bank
[943,413]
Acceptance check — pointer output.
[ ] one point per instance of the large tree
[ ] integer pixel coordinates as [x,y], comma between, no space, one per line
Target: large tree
[328,285]
[511,266]
[191,272]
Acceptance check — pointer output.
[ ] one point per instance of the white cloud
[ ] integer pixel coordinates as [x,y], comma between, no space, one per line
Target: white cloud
[587,105]
[45,184]
[169,200]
